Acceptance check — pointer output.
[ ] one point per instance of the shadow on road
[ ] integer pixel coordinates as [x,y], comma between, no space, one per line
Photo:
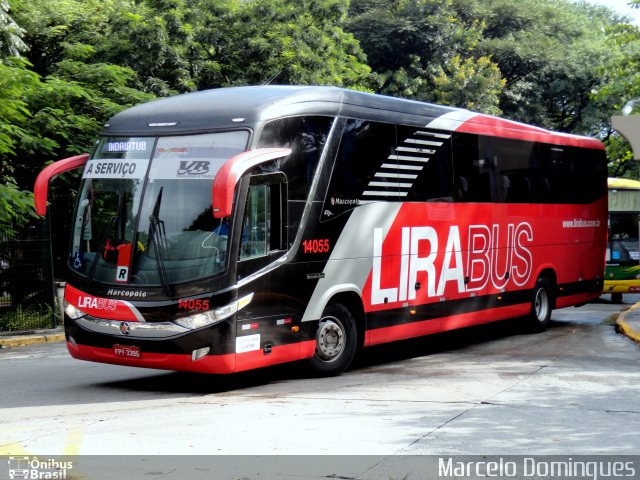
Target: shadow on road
[203,384]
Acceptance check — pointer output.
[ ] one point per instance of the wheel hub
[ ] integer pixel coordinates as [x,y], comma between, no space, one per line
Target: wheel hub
[330,339]
[541,304]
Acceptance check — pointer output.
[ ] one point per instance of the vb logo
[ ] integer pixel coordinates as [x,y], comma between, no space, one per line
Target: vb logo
[193,167]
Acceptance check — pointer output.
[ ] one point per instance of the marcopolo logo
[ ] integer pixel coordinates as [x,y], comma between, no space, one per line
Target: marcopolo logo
[36,469]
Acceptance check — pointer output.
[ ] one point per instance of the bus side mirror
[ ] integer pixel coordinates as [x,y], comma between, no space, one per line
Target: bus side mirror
[41,187]
[224,184]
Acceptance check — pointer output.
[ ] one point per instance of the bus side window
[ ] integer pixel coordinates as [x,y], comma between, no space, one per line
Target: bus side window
[365,169]
[306,136]
[424,166]
[474,162]
[263,228]
[255,224]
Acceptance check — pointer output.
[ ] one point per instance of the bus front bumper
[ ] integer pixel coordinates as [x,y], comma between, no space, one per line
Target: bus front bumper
[148,345]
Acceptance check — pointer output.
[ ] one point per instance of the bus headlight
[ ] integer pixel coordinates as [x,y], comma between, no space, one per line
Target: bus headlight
[211,317]
[72,312]
[198,320]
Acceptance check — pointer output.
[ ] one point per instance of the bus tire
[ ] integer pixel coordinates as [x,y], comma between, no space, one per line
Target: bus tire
[541,305]
[336,341]
[616,297]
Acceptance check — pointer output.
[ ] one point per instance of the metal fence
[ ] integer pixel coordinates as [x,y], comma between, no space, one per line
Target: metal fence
[26,277]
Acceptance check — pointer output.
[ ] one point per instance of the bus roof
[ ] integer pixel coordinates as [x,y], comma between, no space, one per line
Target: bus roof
[623,183]
[237,107]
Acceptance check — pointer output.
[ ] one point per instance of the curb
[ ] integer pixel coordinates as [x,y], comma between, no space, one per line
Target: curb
[20,341]
[623,327]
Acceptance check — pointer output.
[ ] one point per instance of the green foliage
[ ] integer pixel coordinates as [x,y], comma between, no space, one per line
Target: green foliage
[16,82]
[621,70]
[152,38]
[289,42]
[546,51]
[11,43]
[474,84]
[26,318]
[177,46]
[532,60]
[422,49]
[621,84]
[55,106]
[621,162]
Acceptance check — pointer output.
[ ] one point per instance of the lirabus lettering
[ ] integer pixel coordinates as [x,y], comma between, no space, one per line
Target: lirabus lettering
[497,255]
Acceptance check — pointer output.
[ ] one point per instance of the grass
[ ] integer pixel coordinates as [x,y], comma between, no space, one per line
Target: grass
[26,318]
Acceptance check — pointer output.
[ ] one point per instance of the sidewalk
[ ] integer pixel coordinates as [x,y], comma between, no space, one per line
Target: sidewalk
[38,336]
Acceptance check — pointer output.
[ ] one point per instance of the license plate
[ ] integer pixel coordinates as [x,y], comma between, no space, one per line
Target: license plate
[127,351]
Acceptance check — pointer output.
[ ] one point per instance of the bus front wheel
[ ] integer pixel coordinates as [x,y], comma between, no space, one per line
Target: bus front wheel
[336,341]
[541,305]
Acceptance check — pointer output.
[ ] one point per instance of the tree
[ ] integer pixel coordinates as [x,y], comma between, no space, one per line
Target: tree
[621,87]
[533,60]
[275,41]
[423,49]
[547,51]
[473,83]
[76,94]
[11,43]
[153,38]
[177,46]
[15,81]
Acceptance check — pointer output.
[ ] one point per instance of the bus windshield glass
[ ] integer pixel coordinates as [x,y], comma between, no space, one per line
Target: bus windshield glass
[144,213]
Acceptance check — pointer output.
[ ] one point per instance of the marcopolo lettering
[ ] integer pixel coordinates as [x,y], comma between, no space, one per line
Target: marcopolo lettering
[127,293]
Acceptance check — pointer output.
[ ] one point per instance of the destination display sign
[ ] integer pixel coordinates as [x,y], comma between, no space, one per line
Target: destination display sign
[128,168]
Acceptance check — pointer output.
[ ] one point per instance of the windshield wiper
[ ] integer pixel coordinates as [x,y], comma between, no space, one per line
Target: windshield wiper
[158,238]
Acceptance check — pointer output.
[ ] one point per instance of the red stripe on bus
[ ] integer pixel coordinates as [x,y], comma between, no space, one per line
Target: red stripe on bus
[443,324]
[499,127]
[279,354]
[161,361]
[99,307]
[217,364]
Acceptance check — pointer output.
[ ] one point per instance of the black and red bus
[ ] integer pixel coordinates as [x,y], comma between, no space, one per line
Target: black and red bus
[236,228]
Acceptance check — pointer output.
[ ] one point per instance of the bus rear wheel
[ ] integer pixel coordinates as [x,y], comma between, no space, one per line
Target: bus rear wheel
[336,341]
[541,305]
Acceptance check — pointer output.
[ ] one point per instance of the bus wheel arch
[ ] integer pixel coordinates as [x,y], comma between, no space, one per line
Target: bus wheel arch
[339,335]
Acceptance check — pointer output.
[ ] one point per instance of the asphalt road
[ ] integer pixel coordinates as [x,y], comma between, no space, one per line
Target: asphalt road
[574,389]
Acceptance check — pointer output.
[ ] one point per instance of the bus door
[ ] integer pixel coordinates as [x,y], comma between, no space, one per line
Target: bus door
[265,329]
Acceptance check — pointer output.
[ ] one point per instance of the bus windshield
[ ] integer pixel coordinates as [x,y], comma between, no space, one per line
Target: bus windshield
[144,213]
